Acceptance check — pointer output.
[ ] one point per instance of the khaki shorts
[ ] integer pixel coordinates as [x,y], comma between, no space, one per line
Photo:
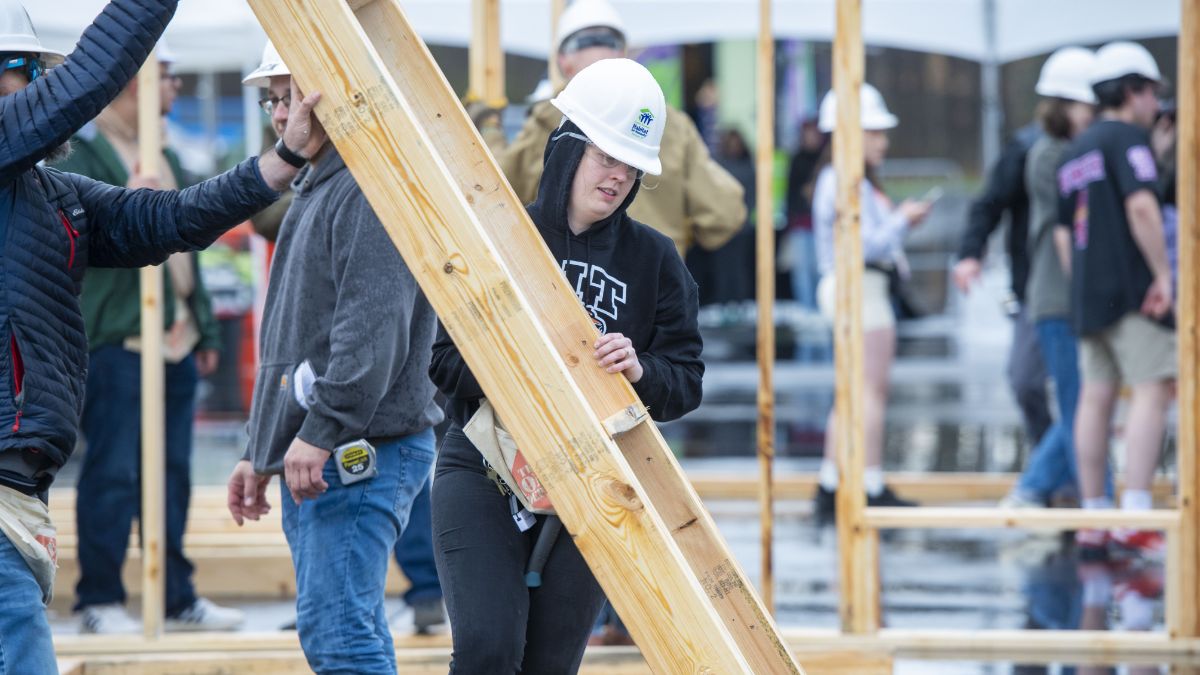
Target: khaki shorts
[876,300]
[1134,350]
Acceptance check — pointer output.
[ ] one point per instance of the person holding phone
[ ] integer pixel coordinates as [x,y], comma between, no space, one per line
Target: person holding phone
[884,225]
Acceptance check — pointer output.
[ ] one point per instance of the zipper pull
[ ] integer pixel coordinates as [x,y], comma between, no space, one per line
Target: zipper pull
[17,424]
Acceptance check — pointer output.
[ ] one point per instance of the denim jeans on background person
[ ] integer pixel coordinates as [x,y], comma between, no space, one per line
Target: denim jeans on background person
[340,544]
[25,644]
[1051,464]
[109,487]
[414,552]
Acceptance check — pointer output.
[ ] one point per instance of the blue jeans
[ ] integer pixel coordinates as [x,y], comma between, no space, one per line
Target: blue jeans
[414,552]
[1052,463]
[25,646]
[804,267]
[340,544]
[109,488]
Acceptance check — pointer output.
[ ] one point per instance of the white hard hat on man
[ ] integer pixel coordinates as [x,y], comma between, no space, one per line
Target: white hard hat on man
[874,112]
[585,14]
[1067,74]
[19,43]
[1118,59]
[272,65]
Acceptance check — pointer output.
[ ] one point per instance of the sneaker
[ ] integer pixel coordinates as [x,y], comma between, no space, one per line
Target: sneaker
[203,615]
[427,614]
[110,619]
[825,508]
[1021,500]
[1092,544]
[1149,544]
[888,498]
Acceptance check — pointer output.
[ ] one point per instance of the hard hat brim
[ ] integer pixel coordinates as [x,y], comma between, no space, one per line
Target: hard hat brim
[261,77]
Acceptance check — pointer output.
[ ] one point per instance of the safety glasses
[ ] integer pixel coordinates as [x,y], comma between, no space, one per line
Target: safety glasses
[601,157]
[32,67]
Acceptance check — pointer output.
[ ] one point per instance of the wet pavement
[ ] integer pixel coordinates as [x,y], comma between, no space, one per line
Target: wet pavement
[950,411]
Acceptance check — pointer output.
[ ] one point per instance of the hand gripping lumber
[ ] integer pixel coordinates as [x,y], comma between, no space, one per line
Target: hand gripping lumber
[483,266]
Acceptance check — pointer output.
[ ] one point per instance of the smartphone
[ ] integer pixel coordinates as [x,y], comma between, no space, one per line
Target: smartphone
[935,193]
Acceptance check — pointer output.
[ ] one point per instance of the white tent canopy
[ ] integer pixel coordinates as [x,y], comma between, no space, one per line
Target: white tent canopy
[223,34]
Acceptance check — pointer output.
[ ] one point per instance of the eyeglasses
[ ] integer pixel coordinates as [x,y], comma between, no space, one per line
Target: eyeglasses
[32,66]
[268,104]
[609,162]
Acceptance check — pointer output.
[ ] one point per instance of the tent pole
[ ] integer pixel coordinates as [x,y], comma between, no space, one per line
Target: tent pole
[555,75]
[765,270]
[153,372]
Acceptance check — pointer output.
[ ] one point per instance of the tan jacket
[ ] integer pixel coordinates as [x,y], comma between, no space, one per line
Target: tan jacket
[693,201]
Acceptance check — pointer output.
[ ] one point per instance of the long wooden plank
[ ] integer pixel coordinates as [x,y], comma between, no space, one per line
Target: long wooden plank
[858,545]
[371,119]
[571,333]
[1035,519]
[1188,622]
[765,296]
[153,375]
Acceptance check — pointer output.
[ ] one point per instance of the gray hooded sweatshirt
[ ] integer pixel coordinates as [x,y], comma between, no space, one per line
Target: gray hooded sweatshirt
[342,301]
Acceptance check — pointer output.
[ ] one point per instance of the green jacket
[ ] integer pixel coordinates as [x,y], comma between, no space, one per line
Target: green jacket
[111,301]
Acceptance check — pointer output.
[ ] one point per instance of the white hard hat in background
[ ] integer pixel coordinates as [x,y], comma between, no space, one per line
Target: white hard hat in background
[620,107]
[874,114]
[1067,74]
[17,34]
[582,14]
[272,66]
[164,53]
[1117,59]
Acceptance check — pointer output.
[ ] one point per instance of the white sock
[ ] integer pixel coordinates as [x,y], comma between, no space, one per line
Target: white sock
[828,478]
[873,480]
[1097,503]
[1136,500]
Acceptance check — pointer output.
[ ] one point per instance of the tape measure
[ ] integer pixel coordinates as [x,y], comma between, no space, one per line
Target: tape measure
[356,461]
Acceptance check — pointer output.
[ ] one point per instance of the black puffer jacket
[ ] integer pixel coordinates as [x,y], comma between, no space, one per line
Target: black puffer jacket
[52,225]
[628,277]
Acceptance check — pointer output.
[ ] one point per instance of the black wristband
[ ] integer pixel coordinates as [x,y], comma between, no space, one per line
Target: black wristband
[288,156]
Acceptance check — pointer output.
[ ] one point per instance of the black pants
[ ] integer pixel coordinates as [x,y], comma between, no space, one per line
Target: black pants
[498,624]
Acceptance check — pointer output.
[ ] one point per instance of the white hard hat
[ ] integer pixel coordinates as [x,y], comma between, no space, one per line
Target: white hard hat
[620,107]
[17,34]
[1117,59]
[272,66]
[1066,74]
[164,53]
[875,114]
[588,14]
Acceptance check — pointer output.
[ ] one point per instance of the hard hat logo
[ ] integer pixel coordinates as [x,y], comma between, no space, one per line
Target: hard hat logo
[641,128]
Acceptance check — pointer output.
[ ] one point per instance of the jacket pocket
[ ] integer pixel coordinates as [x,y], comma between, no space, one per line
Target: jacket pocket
[17,373]
[276,415]
[72,237]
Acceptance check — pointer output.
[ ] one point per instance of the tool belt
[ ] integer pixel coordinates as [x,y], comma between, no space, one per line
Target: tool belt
[506,465]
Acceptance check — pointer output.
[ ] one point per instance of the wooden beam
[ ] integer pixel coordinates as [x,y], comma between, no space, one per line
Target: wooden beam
[393,118]
[555,75]
[765,293]
[891,518]
[858,545]
[486,57]
[1188,318]
[153,380]
[643,448]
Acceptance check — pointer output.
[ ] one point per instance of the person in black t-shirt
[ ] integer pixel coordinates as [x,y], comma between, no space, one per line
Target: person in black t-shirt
[1110,239]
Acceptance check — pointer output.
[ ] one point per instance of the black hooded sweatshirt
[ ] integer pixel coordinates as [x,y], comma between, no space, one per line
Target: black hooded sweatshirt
[630,280]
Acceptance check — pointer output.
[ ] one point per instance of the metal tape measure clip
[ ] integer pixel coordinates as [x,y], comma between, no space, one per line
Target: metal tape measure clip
[356,461]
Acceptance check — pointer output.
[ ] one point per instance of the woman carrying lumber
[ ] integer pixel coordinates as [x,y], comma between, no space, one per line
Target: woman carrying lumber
[884,226]
[644,303]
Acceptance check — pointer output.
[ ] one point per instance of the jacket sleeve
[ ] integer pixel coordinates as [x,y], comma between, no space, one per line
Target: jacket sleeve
[672,377]
[714,201]
[522,161]
[43,116]
[449,371]
[369,336]
[1005,186]
[134,228]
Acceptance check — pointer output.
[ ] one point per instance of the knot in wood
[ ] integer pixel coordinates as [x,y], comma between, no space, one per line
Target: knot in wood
[623,495]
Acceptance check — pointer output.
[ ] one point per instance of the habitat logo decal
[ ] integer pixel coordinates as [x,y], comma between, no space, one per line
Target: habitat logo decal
[641,128]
